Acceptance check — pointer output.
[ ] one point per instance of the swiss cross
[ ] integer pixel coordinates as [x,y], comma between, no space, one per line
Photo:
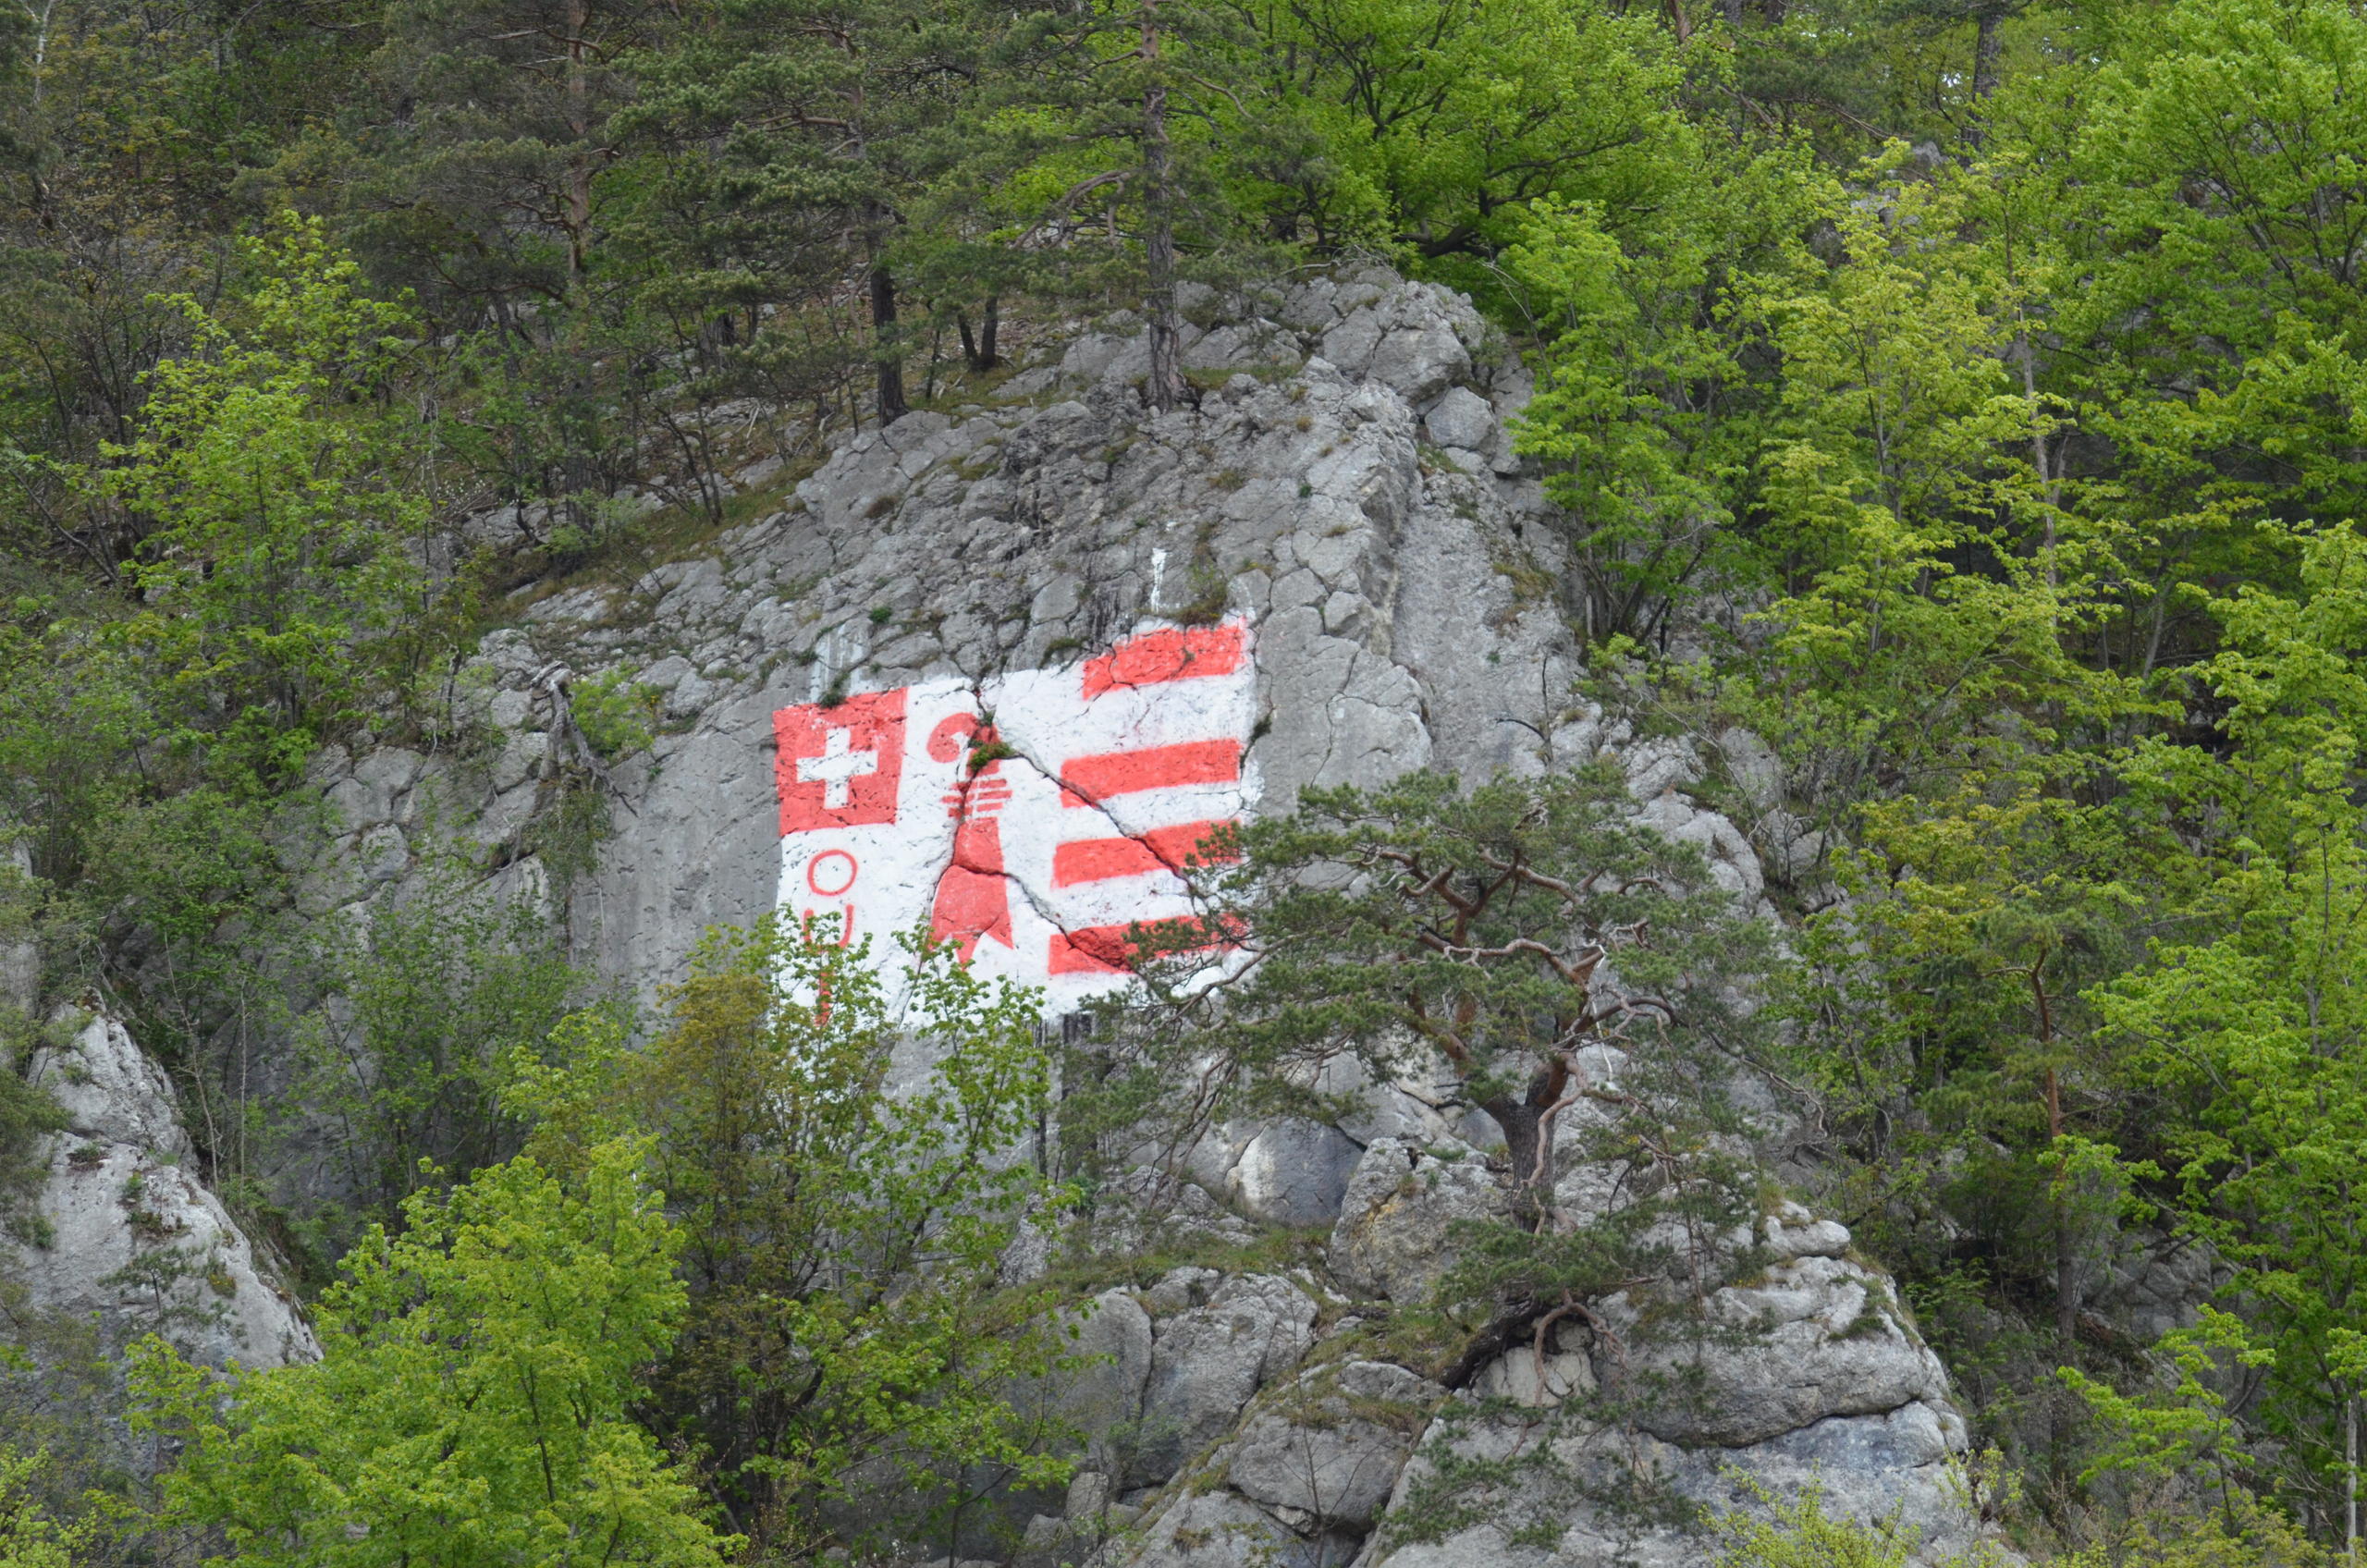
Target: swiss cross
[839,765]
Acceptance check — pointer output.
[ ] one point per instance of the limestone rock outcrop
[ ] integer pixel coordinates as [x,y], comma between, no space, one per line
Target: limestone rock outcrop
[128,1233]
[1326,1452]
[1347,501]
[1397,1232]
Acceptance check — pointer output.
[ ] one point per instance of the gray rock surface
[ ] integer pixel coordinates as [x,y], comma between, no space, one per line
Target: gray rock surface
[134,1239]
[1293,1172]
[1395,1237]
[1326,1449]
[1103,1397]
[1811,1339]
[1221,1529]
[1207,1363]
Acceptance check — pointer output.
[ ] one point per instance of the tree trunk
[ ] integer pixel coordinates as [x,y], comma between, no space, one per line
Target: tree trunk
[2067,1261]
[1986,46]
[2349,1476]
[979,352]
[1529,1146]
[889,363]
[1523,1147]
[1166,387]
[579,124]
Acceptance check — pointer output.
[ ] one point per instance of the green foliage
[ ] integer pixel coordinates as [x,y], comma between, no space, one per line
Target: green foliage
[614,714]
[2247,297]
[1647,414]
[30,1537]
[1798,1533]
[431,995]
[1434,123]
[500,109]
[274,488]
[471,1404]
[844,1219]
[2245,1535]
[2249,1033]
[28,1116]
[2169,1432]
[1422,928]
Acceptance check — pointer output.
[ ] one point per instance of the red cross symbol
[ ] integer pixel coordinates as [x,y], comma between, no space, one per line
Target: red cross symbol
[839,766]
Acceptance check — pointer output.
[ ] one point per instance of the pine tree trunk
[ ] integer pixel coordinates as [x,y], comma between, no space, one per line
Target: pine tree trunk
[2067,1261]
[888,363]
[979,352]
[1987,45]
[1165,388]
[1528,1146]
[1520,1124]
[578,124]
[2349,1476]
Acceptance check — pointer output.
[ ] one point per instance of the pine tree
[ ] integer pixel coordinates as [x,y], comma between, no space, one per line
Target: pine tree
[818,117]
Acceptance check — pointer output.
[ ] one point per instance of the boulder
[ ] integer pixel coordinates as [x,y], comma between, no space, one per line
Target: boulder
[1806,1339]
[1395,1237]
[1461,418]
[1103,1396]
[1208,1362]
[1326,1448]
[1293,1172]
[111,1091]
[1218,1529]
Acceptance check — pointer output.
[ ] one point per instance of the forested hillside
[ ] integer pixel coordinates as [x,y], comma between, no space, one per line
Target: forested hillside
[1945,423]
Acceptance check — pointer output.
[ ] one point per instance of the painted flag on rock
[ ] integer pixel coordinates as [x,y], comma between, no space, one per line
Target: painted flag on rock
[1032,820]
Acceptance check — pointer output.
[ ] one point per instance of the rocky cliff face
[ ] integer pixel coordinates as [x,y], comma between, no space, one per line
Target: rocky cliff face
[130,1238]
[1333,570]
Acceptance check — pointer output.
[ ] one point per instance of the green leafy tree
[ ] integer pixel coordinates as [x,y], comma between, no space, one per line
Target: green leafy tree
[2254,1033]
[281,504]
[31,1536]
[2186,1427]
[2216,206]
[1932,579]
[850,1170]
[1648,414]
[471,1405]
[1435,123]
[411,1055]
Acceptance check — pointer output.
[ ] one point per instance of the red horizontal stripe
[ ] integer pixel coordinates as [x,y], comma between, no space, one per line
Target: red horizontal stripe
[1088,780]
[1111,949]
[1165,655]
[1161,848]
